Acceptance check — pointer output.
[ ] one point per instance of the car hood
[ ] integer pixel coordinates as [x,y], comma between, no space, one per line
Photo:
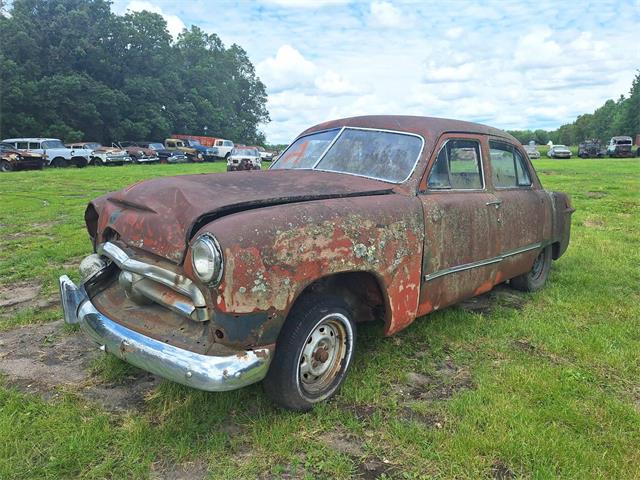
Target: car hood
[161,215]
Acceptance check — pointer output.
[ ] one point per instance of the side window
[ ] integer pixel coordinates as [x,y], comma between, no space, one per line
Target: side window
[219,143]
[508,166]
[171,145]
[457,167]
[522,171]
[27,146]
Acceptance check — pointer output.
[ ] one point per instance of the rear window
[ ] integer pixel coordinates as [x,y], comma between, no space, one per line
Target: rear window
[508,168]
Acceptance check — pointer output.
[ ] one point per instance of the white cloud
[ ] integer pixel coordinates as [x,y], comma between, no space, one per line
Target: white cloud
[304,3]
[384,14]
[333,83]
[460,73]
[174,24]
[287,69]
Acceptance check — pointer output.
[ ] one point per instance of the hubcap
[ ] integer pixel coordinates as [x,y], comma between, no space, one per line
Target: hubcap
[323,353]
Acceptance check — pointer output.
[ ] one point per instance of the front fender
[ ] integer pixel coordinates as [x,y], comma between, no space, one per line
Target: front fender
[272,254]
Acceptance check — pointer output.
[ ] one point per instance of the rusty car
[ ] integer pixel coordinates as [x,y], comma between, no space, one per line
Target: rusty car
[217,281]
[244,158]
[12,159]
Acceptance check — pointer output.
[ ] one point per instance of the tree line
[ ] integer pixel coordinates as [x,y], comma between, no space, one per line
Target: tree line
[615,117]
[73,69]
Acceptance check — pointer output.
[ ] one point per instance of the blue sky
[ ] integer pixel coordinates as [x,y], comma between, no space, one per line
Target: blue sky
[535,64]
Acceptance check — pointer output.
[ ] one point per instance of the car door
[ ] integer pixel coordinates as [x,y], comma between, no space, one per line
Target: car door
[522,207]
[460,218]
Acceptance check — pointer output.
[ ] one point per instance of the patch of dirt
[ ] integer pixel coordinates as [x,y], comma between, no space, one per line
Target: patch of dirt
[448,380]
[42,359]
[13,295]
[593,223]
[431,420]
[342,442]
[373,468]
[164,470]
[595,194]
[501,295]
[526,346]
[500,471]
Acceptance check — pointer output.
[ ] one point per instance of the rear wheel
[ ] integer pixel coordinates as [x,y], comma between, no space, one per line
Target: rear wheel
[535,278]
[5,166]
[313,354]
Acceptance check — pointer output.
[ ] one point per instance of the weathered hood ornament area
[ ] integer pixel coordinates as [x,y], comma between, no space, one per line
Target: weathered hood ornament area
[217,281]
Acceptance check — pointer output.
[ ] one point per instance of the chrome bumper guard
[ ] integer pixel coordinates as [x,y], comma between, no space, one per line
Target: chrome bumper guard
[204,372]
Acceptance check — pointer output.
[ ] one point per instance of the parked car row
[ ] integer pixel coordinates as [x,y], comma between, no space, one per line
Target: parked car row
[619,147]
[36,153]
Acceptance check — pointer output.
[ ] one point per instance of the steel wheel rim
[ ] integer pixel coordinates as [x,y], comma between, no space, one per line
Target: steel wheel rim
[326,349]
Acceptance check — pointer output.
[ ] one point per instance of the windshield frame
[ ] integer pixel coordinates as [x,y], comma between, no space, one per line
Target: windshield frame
[340,131]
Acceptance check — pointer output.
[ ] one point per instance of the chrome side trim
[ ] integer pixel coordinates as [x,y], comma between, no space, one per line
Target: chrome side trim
[175,281]
[481,263]
[204,372]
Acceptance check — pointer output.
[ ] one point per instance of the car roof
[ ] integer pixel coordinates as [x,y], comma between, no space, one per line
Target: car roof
[426,127]
[28,139]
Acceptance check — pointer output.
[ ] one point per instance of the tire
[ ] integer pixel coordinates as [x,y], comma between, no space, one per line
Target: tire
[58,162]
[535,278]
[313,353]
[80,162]
[96,162]
[5,166]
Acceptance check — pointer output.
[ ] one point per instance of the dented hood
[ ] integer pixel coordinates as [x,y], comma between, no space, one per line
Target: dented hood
[161,215]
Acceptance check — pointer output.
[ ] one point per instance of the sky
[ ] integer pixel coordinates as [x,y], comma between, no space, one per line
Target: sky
[511,65]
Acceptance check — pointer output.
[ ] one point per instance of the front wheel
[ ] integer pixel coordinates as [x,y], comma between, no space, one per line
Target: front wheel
[5,166]
[313,353]
[535,278]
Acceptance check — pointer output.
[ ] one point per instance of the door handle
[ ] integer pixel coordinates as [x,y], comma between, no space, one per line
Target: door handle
[497,203]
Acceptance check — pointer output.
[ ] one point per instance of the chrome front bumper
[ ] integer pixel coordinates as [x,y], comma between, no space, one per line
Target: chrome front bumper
[204,372]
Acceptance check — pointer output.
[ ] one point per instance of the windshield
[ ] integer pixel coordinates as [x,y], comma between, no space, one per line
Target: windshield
[156,146]
[53,144]
[388,156]
[92,146]
[245,151]
[623,141]
[194,143]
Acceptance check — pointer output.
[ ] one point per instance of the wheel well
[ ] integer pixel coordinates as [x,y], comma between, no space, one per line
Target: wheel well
[360,290]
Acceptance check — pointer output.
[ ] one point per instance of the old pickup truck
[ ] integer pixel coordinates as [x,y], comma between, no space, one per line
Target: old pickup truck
[217,281]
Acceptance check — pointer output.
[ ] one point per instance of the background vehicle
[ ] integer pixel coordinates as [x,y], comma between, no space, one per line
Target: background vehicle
[532,151]
[56,153]
[559,151]
[264,155]
[244,158]
[210,154]
[165,156]
[224,146]
[101,155]
[13,159]
[137,153]
[620,147]
[591,149]
[176,144]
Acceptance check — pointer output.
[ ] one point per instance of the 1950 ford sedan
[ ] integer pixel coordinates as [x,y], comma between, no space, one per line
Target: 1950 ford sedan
[217,281]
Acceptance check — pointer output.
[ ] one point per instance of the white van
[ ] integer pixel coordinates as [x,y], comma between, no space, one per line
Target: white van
[56,153]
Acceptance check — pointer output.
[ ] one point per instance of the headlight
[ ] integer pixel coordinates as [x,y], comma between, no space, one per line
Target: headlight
[206,259]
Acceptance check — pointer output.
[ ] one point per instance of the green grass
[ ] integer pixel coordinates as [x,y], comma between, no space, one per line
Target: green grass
[552,390]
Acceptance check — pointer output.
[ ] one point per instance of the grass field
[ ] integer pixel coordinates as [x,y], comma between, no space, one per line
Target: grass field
[545,385]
